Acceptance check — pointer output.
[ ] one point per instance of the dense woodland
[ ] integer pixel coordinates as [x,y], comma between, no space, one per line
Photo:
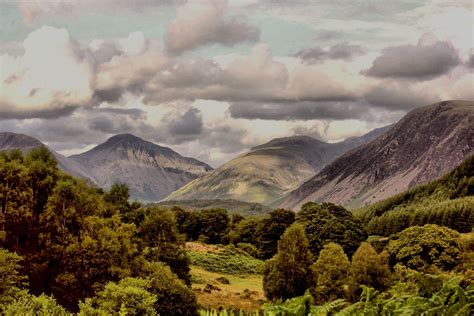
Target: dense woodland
[68,247]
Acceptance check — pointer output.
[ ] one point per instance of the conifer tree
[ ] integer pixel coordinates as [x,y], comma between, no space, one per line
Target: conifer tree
[288,273]
[331,274]
[370,269]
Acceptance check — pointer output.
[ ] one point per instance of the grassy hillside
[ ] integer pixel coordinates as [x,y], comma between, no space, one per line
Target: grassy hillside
[448,201]
[225,278]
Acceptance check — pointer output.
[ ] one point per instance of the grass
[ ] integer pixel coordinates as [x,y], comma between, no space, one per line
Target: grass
[228,261]
[243,293]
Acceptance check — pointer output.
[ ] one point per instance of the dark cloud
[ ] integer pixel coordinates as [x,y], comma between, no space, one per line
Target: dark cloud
[399,97]
[422,61]
[190,123]
[470,61]
[296,111]
[343,51]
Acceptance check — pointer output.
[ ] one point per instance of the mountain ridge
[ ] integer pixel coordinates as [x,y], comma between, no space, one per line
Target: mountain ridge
[267,171]
[412,152]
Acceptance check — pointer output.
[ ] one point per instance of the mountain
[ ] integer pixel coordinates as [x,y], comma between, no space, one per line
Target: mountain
[150,171]
[447,201]
[267,171]
[232,206]
[25,143]
[422,146]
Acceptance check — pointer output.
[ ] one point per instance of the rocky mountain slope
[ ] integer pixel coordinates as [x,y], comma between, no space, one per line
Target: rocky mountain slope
[150,171]
[422,146]
[25,143]
[268,171]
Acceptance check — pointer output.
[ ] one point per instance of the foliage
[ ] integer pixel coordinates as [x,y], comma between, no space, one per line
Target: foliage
[173,297]
[287,274]
[232,206]
[129,296]
[229,261]
[370,269]
[12,282]
[331,274]
[447,201]
[160,236]
[270,229]
[327,222]
[42,305]
[214,225]
[422,247]
[450,299]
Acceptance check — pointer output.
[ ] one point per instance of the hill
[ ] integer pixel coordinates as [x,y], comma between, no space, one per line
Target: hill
[424,145]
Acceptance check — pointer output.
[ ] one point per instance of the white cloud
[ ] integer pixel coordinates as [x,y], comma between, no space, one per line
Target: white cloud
[53,76]
[201,22]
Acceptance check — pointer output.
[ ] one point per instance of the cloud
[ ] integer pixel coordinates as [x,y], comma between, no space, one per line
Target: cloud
[296,111]
[52,78]
[33,9]
[343,51]
[190,123]
[428,59]
[399,96]
[203,22]
[470,61]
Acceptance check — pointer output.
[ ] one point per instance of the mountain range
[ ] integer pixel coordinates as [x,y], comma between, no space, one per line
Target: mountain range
[268,171]
[285,172]
[424,145]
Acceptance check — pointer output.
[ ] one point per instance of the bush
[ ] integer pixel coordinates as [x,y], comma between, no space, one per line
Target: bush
[425,247]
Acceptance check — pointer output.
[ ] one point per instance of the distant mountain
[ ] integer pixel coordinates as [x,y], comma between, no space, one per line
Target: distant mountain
[25,143]
[424,145]
[150,171]
[267,171]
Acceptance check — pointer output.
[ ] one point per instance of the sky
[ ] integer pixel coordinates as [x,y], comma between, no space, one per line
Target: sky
[212,78]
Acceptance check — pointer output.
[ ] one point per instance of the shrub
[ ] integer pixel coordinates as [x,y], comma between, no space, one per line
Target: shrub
[423,247]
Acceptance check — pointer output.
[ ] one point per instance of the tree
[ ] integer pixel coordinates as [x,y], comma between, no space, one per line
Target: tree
[160,235]
[214,225]
[423,247]
[269,231]
[129,297]
[188,223]
[287,274]
[12,282]
[331,274]
[173,297]
[370,269]
[35,305]
[327,222]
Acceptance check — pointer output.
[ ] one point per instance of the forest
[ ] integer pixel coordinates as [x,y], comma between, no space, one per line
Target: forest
[68,247]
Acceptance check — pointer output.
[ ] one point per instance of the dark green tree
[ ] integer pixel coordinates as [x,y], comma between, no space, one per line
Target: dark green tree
[214,225]
[160,235]
[269,231]
[327,222]
[288,274]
